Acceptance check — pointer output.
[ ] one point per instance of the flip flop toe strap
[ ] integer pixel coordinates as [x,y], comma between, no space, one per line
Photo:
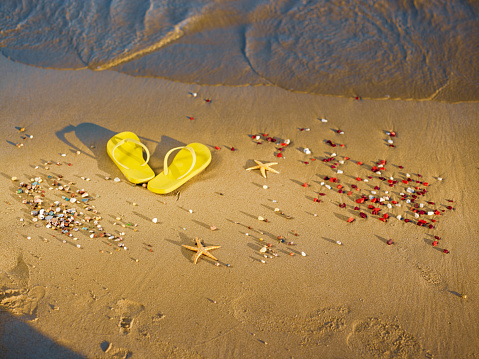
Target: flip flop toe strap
[192,151]
[135,142]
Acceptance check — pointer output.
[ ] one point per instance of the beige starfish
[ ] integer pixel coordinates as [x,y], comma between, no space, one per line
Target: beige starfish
[263,167]
[200,249]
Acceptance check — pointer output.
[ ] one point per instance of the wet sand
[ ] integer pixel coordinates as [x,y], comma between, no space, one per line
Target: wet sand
[363,298]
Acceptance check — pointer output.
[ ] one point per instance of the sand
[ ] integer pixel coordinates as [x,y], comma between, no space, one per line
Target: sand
[363,298]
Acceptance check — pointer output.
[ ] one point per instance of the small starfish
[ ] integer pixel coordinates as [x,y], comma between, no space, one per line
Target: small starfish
[200,249]
[263,167]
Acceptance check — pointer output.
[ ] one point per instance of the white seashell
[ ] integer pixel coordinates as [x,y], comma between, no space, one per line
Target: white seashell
[340,171]
[155,220]
[263,249]
[303,254]
[323,120]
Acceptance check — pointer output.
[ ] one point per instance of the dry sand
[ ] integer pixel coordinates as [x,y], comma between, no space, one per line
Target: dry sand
[363,298]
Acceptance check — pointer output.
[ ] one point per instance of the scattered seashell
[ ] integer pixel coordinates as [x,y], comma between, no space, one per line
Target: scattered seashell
[117,179]
[323,120]
[260,218]
[213,228]
[303,254]
[265,187]
[155,220]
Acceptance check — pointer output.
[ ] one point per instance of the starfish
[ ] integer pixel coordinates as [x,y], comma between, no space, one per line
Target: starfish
[263,167]
[200,249]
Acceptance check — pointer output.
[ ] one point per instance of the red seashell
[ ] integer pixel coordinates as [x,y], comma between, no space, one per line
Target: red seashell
[279,155]
[341,145]
[363,215]
[333,166]
[356,208]
[233,149]
[425,184]
[350,219]
[359,163]
[350,193]
[340,186]
[346,158]
[386,215]
[407,220]
[434,243]
[340,191]
[360,200]
[306,162]
[446,251]
[315,199]
[382,219]
[342,205]
[305,184]
[449,207]
[389,242]
[216,147]
[392,134]
[322,194]
[437,237]
[358,179]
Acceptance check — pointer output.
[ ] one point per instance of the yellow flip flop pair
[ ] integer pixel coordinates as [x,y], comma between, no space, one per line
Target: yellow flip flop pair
[126,150]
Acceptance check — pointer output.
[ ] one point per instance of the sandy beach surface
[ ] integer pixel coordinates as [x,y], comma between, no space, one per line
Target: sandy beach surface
[329,283]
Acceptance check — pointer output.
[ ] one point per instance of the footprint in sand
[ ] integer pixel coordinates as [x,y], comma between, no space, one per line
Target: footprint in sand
[15,295]
[378,339]
[128,310]
[313,328]
[431,276]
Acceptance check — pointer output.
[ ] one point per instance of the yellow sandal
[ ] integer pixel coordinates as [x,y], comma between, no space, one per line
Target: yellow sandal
[188,162]
[126,150]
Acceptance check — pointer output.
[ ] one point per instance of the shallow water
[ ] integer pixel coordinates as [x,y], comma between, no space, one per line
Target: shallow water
[372,49]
